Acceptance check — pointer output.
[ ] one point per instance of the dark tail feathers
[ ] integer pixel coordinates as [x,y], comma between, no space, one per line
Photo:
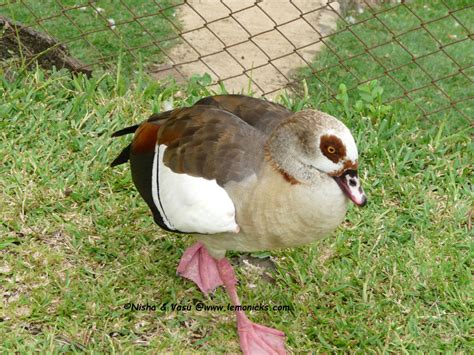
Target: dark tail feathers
[125,131]
[124,156]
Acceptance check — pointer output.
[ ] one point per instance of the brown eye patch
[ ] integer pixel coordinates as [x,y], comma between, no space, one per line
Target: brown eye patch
[333,148]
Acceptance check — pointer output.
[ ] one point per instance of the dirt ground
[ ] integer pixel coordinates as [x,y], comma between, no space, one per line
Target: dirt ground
[243,34]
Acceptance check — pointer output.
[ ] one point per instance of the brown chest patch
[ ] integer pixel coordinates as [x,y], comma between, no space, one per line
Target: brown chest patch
[333,148]
[288,177]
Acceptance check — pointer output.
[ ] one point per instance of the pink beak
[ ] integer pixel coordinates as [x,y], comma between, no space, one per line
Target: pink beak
[350,184]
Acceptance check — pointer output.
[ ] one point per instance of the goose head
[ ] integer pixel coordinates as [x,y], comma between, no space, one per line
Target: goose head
[312,143]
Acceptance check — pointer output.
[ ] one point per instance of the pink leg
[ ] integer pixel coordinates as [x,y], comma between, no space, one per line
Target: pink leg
[197,265]
[254,338]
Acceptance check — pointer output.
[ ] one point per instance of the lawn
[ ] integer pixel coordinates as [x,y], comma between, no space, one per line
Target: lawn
[77,243]
[98,31]
[422,67]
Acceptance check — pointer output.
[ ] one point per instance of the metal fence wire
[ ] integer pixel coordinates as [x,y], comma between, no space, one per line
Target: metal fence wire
[259,44]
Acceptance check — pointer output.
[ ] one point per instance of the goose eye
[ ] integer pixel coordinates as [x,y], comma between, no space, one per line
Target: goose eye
[331,150]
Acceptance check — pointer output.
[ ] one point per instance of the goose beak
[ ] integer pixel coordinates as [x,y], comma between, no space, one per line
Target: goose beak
[350,184]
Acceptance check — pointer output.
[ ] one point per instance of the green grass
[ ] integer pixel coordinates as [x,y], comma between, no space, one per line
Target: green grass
[408,39]
[87,33]
[77,243]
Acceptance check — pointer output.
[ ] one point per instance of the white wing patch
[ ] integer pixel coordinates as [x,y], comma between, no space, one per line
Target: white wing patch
[191,204]
[154,188]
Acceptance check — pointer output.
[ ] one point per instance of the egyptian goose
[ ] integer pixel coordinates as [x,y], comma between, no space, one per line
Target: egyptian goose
[243,174]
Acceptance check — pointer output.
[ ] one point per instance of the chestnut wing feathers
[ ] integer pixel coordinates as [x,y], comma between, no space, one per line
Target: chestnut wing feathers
[260,114]
[182,159]
[263,115]
[208,142]
[181,165]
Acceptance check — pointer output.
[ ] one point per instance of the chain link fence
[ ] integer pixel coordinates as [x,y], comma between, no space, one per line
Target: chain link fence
[261,45]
